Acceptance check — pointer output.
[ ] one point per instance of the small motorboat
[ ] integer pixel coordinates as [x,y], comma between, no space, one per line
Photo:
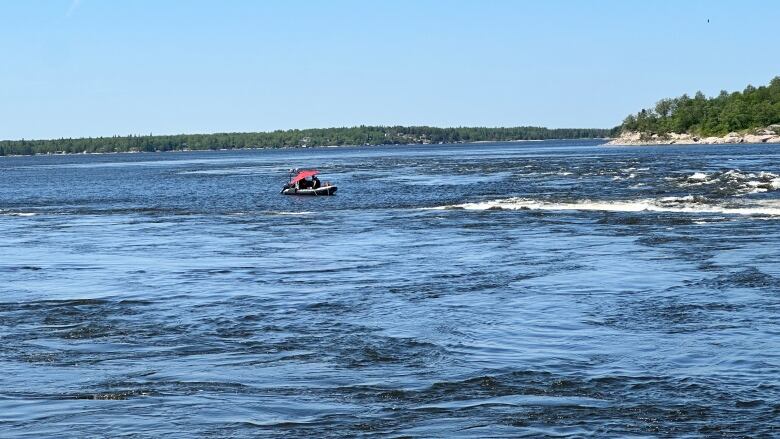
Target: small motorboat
[299,185]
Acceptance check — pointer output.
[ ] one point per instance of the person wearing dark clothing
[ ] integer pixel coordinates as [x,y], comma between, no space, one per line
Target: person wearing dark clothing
[315,182]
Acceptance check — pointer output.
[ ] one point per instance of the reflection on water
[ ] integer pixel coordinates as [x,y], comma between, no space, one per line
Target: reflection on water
[553,288]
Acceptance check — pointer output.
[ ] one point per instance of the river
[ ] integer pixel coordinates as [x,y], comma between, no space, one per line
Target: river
[557,288]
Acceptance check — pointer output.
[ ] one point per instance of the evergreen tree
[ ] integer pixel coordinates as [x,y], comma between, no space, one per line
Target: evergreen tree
[754,107]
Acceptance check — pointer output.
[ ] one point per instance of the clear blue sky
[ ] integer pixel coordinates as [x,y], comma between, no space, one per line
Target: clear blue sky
[73,68]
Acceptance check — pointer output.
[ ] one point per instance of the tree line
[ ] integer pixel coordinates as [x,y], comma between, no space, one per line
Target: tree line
[361,135]
[715,116]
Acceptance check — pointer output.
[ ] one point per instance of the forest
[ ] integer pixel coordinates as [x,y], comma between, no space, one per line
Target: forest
[360,135]
[754,107]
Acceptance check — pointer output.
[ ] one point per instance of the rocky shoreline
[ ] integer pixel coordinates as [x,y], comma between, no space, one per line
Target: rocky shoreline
[770,134]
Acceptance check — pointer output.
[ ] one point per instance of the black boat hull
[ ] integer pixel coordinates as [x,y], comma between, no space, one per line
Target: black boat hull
[321,191]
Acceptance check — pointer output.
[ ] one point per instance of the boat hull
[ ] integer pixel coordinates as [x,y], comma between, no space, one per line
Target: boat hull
[321,191]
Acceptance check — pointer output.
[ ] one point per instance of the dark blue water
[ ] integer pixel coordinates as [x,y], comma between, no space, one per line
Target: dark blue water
[560,289]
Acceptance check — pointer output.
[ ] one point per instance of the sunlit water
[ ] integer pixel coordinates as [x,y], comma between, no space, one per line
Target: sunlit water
[551,288]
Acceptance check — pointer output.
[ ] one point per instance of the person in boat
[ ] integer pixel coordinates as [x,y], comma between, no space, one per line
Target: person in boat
[315,182]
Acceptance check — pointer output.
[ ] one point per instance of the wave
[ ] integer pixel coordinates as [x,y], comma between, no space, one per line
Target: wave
[688,204]
[290,213]
[732,181]
[238,170]
[452,179]
[9,213]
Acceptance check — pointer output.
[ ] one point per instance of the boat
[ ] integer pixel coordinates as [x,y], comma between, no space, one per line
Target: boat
[298,184]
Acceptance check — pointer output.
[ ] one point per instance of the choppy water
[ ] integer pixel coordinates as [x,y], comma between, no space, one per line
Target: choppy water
[553,288]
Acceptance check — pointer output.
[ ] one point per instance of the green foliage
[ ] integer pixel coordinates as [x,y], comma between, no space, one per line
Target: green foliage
[752,108]
[362,135]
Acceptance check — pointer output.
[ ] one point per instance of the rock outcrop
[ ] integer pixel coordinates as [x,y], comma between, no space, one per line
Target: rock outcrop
[770,134]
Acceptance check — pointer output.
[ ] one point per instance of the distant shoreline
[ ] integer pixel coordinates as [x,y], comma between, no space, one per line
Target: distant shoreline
[476,142]
[339,136]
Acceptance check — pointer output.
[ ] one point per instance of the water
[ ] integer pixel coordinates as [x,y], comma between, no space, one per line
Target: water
[556,289]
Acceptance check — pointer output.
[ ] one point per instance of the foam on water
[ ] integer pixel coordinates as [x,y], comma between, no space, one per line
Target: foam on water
[291,213]
[687,204]
[22,214]
[732,181]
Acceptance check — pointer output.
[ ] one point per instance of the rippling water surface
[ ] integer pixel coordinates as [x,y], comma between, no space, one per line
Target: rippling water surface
[550,288]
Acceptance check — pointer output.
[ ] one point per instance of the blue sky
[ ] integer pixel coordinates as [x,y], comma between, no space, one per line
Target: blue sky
[73,68]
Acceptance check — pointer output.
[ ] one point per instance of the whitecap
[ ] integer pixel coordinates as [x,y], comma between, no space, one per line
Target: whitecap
[9,213]
[687,204]
[698,176]
[733,181]
[290,213]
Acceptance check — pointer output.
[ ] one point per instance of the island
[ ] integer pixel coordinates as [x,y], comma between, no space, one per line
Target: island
[750,116]
[360,135]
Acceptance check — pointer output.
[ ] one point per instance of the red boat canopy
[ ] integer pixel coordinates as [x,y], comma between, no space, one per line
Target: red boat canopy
[303,174]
